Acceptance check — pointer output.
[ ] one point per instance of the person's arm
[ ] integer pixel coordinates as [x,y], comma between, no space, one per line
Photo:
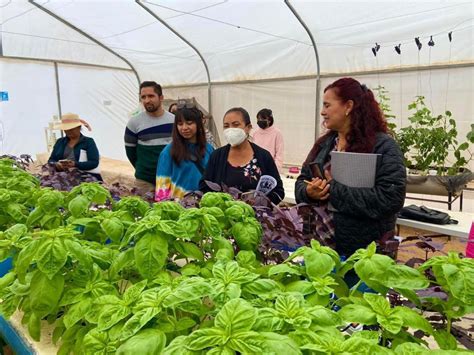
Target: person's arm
[385,198]
[92,157]
[55,154]
[131,140]
[279,150]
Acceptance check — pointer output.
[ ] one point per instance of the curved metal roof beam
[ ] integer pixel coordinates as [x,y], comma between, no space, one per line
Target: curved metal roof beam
[66,62]
[209,100]
[60,19]
[318,70]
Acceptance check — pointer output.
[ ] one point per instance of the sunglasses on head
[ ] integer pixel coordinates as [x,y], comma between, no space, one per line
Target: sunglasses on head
[185,104]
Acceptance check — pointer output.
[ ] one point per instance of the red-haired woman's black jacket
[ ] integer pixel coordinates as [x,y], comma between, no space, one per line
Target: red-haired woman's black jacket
[363,214]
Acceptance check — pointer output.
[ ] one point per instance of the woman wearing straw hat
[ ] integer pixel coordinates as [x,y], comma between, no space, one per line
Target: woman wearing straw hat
[75,150]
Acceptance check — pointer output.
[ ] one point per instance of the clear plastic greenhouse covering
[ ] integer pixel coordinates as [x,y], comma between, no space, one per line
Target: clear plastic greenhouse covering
[258,54]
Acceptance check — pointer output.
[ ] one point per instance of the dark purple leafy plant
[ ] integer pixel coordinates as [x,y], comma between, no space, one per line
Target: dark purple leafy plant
[432,292]
[63,180]
[191,199]
[463,336]
[425,243]
[414,261]
[117,191]
[23,161]
[460,334]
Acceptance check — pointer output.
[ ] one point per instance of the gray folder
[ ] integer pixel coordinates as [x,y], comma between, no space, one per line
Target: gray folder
[354,169]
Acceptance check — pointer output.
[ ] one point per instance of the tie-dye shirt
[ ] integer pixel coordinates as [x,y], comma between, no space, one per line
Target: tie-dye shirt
[173,181]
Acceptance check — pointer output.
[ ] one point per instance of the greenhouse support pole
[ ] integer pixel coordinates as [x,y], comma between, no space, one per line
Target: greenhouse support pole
[88,36]
[318,71]
[164,23]
[58,90]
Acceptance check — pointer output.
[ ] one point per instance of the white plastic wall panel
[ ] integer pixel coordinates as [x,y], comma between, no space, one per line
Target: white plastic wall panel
[104,98]
[292,102]
[31,105]
[443,90]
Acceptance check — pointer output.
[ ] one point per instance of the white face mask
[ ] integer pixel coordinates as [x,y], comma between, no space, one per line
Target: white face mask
[235,136]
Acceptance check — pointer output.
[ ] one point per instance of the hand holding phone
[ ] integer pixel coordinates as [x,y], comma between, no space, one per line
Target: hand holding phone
[316,170]
[66,163]
[318,189]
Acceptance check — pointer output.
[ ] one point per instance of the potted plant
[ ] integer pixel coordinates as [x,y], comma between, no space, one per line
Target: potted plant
[436,160]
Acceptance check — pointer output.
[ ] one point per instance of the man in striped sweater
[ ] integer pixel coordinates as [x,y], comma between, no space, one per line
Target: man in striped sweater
[147,134]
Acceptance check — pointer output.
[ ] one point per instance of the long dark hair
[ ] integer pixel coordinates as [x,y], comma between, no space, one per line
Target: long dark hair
[366,118]
[179,147]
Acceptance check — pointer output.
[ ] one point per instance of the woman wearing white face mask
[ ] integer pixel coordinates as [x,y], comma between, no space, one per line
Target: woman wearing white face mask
[240,163]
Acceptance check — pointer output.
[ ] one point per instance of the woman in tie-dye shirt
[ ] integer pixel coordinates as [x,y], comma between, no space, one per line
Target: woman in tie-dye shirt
[183,161]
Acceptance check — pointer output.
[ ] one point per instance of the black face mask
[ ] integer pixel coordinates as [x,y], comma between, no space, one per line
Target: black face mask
[262,124]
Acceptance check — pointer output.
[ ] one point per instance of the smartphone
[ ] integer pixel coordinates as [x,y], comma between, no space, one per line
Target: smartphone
[316,170]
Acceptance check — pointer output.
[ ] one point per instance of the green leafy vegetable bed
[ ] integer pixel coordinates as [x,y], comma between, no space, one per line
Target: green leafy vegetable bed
[107,275]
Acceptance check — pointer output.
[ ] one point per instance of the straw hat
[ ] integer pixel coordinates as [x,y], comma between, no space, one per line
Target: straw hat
[70,121]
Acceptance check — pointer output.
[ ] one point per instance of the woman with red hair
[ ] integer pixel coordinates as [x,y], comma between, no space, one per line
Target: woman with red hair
[359,216]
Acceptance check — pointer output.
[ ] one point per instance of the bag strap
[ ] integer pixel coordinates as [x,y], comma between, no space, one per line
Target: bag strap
[194,159]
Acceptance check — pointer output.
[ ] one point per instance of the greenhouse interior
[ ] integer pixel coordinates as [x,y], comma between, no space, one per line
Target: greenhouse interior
[236,177]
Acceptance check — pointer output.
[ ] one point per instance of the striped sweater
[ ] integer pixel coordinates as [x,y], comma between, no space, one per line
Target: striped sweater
[145,138]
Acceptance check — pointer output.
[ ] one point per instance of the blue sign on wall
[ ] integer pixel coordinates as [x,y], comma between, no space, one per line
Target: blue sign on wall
[3,95]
